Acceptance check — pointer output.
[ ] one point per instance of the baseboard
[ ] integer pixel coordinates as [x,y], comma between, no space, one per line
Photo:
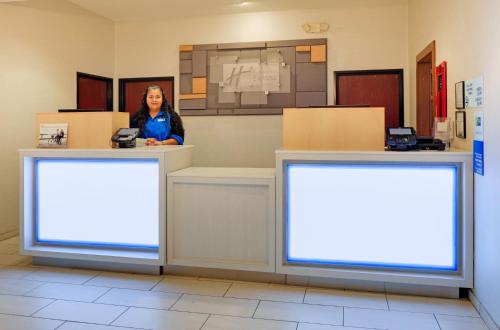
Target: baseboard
[490,323]
[9,234]
[97,265]
[225,274]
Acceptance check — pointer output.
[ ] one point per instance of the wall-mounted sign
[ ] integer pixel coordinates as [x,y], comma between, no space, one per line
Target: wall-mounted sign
[460,95]
[479,143]
[474,93]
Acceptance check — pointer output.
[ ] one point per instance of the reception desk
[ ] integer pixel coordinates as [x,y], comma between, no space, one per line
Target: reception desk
[97,205]
[400,217]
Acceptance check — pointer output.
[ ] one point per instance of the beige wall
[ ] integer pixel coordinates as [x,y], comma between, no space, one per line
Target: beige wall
[456,43]
[370,37]
[43,45]
[467,36]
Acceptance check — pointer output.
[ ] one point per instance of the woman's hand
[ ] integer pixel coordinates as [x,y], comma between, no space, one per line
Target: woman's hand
[153,142]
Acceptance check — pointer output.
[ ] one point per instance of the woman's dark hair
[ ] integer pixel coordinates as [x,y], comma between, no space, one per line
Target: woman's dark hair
[164,102]
[140,118]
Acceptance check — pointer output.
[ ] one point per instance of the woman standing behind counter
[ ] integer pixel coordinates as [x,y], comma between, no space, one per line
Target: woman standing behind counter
[158,123]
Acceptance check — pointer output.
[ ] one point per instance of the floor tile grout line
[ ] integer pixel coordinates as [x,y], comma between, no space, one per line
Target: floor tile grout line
[188,312]
[58,282]
[193,313]
[409,312]
[90,279]
[64,321]
[176,301]
[27,295]
[158,283]
[228,288]
[135,306]
[255,311]
[60,325]
[304,296]
[455,315]
[356,327]
[31,317]
[99,297]
[100,324]
[278,301]
[387,301]
[116,318]
[435,318]
[202,295]
[53,301]
[77,301]
[21,294]
[294,321]
[198,294]
[433,312]
[206,320]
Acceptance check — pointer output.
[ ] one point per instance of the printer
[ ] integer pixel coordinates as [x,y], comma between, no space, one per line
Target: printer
[405,139]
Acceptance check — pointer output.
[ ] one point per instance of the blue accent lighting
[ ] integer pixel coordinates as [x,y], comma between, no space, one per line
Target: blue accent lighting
[97,202]
[380,215]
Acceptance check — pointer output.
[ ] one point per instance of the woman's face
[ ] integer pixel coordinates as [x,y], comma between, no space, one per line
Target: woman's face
[154,99]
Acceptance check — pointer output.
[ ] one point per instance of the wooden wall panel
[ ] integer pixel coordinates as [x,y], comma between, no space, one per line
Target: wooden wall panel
[86,130]
[334,129]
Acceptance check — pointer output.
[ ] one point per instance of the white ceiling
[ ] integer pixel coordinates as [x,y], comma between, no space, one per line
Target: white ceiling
[127,10]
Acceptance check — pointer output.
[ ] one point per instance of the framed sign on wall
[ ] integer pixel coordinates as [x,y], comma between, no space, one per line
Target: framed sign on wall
[460,95]
[460,128]
[252,78]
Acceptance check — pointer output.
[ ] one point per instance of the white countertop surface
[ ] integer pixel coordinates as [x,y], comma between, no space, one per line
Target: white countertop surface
[147,149]
[225,172]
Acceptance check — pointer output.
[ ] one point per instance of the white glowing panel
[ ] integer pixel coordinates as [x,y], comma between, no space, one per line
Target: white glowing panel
[98,201]
[372,215]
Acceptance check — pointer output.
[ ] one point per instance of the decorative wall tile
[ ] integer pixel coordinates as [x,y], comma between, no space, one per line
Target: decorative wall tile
[252,77]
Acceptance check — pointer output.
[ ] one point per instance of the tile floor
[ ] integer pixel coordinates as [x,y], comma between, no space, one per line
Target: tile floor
[42,298]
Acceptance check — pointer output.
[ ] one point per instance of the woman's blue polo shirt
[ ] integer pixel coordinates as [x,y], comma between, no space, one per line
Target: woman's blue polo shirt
[159,128]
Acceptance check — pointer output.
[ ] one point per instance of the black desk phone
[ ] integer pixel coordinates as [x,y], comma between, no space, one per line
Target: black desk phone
[401,139]
[125,137]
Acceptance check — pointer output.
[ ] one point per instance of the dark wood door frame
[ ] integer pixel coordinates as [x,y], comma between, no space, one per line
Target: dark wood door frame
[109,88]
[399,72]
[428,54]
[123,81]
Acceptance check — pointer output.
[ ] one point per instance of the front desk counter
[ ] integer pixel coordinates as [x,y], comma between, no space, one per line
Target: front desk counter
[97,207]
[394,217]
[374,217]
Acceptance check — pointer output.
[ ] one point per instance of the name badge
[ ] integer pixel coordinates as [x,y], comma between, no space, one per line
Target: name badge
[161,119]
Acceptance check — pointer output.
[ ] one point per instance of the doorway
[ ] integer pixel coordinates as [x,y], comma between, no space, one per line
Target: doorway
[375,88]
[132,90]
[94,92]
[426,77]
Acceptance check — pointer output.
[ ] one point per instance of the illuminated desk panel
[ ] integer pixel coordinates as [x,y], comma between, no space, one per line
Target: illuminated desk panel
[381,216]
[97,205]
[99,202]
